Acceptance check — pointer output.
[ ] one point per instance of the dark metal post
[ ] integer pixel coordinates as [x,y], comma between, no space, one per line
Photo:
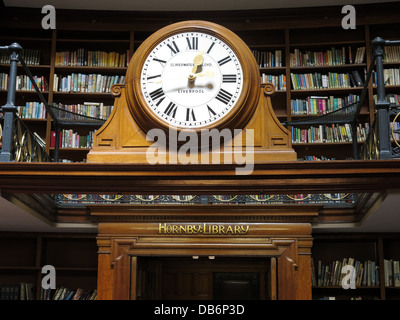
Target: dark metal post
[382,105]
[9,109]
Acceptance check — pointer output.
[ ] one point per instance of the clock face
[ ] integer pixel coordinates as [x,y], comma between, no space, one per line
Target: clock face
[191,80]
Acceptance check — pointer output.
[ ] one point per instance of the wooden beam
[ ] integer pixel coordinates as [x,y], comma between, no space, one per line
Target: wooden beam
[268,178]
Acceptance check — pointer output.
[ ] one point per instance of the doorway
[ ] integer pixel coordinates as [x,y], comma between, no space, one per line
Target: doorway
[203,278]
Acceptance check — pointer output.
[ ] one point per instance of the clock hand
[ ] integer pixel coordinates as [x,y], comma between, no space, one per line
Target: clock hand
[208,73]
[197,61]
[191,77]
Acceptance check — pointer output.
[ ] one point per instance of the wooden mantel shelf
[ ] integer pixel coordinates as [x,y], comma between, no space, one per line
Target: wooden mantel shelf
[268,178]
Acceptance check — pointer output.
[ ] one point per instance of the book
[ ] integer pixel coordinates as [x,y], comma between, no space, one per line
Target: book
[396,273]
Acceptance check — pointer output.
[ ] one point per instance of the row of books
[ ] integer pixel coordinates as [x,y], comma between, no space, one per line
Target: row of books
[71,139]
[390,76]
[392,272]
[31,56]
[78,82]
[279,81]
[363,273]
[84,57]
[391,54]
[32,110]
[391,97]
[316,158]
[265,59]
[21,291]
[324,81]
[268,59]
[64,293]
[334,298]
[24,83]
[331,57]
[90,109]
[25,291]
[395,126]
[328,134]
[37,110]
[322,104]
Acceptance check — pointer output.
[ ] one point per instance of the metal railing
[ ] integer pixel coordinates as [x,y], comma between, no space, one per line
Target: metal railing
[378,145]
[18,142]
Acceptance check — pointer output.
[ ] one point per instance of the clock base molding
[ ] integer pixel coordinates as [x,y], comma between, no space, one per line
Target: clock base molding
[121,140]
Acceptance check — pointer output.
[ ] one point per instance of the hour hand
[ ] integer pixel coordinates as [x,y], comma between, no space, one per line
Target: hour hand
[208,73]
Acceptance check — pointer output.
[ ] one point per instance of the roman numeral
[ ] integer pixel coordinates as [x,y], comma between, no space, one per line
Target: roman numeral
[175,49]
[224,96]
[157,94]
[171,110]
[228,78]
[209,49]
[163,62]
[211,112]
[193,43]
[224,60]
[190,115]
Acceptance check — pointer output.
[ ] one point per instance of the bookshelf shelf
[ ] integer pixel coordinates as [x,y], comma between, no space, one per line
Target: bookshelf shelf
[82,94]
[328,90]
[318,44]
[90,69]
[328,67]
[30,66]
[72,149]
[324,144]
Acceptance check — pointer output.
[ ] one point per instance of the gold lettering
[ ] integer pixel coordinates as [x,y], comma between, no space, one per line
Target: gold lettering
[245,229]
[161,228]
[182,229]
[215,229]
[196,229]
[204,228]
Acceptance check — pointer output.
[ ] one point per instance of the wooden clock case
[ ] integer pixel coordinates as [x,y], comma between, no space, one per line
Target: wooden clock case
[123,137]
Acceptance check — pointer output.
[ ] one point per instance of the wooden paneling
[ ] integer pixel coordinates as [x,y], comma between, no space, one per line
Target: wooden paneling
[142,240]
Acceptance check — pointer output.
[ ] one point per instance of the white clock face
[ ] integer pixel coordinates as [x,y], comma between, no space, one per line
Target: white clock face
[191,80]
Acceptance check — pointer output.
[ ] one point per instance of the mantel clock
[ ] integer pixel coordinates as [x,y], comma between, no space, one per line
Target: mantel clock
[191,76]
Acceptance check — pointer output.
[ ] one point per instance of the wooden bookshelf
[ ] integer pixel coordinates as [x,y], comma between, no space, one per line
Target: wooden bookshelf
[371,247]
[303,31]
[23,255]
